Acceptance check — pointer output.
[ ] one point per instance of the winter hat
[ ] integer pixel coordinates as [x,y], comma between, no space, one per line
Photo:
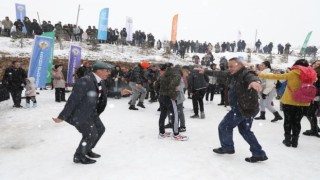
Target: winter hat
[144,64]
[101,65]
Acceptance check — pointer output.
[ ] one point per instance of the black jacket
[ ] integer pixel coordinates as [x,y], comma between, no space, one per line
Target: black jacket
[197,81]
[137,75]
[84,103]
[240,97]
[14,79]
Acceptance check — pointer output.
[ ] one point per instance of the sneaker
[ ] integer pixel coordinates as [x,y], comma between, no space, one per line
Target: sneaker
[140,104]
[165,135]
[195,116]
[182,129]
[254,159]
[180,137]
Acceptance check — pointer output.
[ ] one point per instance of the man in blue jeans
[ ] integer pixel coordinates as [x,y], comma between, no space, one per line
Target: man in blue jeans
[243,99]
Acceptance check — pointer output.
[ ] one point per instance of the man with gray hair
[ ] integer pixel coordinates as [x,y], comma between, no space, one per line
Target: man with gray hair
[243,99]
[83,108]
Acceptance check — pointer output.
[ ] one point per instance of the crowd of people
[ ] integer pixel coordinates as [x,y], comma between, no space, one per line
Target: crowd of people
[244,90]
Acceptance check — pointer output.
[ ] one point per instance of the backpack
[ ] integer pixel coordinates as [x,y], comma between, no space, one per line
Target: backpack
[282,88]
[306,92]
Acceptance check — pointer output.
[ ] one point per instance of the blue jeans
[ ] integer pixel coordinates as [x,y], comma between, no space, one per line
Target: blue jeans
[232,119]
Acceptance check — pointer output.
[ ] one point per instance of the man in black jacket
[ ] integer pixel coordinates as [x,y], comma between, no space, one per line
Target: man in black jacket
[243,99]
[14,80]
[86,102]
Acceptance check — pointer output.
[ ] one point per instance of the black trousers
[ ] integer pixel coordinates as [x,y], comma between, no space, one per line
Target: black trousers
[210,91]
[60,94]
[197,100]
[16,96]
[91,133]
[311,115]
[153,94]
[167,105]
[292,119]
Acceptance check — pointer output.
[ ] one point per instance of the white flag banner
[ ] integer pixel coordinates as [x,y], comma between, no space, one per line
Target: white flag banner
[129,28]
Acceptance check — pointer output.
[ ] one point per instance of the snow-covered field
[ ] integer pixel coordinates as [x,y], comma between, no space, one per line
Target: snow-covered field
[32,147]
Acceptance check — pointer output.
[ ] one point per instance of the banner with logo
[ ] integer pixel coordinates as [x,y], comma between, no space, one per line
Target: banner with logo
[39,61]
[129,28]
[20,14]
[74,62]
[103,24]
[52,35]
[174,29]
[305,44]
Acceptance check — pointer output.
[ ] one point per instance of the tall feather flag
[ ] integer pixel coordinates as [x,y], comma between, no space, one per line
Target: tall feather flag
[305,44]
[103,24]
[174,29]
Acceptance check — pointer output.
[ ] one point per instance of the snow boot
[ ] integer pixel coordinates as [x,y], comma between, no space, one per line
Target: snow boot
[132,107]
[287,140]
[27,105]
[34,105]
[277,117]
[262,116]
[202,115]
[295,141]
[140,104]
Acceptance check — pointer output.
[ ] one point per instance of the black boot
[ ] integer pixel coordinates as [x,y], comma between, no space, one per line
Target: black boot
[277,117]
[83,160]
[132,107]
[295,141]
[287,140]
[140,104]
[262,116]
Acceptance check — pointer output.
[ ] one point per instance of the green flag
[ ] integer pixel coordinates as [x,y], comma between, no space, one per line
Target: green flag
[304,46]
[52,35]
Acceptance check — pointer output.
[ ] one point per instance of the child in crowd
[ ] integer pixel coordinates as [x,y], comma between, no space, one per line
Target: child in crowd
[30,92]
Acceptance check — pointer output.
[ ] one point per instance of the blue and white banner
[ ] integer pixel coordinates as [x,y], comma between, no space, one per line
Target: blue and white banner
[103,24]
[74,62]
[41,54]
[21,13]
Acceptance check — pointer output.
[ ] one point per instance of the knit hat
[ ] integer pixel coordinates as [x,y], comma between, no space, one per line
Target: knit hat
[101,65]
[144,64]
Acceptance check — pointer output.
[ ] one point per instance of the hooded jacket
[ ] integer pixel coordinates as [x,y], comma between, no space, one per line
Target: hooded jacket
[30,87]
[293,80]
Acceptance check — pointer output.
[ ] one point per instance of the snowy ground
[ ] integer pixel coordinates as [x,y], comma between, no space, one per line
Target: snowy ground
[32,147]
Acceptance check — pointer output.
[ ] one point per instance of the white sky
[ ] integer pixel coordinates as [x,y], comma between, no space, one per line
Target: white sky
[279,21]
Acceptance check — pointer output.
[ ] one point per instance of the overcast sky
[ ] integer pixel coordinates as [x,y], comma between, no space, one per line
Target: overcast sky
[277,21]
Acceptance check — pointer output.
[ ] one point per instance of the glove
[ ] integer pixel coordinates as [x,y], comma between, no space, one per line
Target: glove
[317,98]
[263,96]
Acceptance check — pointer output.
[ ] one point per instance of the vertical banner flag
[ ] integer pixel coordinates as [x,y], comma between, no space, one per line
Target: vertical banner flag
[103,24]
[21,13]
[305,44]
[174,29]
[74,61]
[239,35]
[129,28]
[41,53]
[49,34]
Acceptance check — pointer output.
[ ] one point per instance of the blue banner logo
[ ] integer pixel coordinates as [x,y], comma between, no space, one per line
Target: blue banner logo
[20,14]
[40,58]
[74,62]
